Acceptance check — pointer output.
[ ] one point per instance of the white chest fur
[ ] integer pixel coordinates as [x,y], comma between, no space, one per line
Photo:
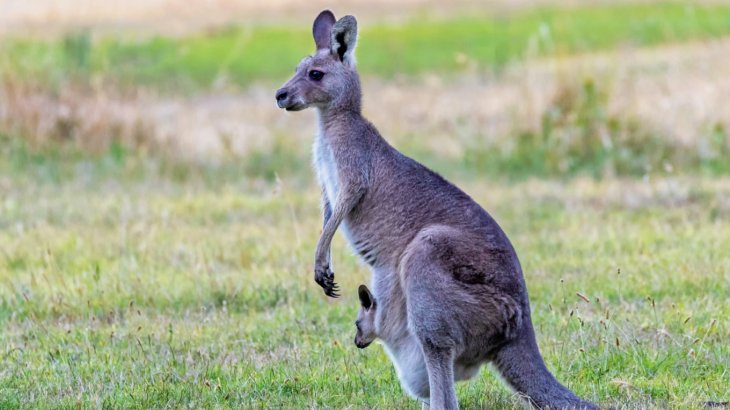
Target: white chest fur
[324,165]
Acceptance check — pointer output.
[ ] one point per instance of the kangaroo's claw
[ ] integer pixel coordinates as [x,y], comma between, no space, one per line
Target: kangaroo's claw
[332,292]
[326,279]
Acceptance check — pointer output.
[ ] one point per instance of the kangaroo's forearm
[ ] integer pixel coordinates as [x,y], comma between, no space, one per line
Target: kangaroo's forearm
[326,210]
[326,216]
[343,206]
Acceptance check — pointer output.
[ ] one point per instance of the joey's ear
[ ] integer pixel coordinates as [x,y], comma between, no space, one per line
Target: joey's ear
[344,39]
[366,298]
[322,29]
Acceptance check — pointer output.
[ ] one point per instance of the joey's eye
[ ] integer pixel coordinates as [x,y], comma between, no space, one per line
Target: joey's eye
[316,75]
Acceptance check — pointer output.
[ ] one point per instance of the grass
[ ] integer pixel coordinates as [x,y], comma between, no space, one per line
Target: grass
[577,135]
[238,56]
[127,282]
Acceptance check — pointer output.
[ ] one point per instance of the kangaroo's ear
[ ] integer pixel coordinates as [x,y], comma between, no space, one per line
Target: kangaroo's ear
[366,298]
[322,29]
[344,39]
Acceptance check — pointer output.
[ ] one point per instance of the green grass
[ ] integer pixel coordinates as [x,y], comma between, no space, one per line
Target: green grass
[126,282]
[241,55]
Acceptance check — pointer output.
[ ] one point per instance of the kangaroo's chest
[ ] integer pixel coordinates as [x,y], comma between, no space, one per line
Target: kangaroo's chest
[326,169]
[360,235]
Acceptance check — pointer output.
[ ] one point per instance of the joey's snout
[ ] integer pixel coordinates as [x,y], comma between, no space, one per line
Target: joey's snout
[361,344]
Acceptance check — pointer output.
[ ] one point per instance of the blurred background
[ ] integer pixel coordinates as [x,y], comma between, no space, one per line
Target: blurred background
[511,88]
[158,213]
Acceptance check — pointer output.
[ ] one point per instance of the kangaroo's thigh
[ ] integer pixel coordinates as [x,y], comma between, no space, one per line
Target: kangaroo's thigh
[452,296]
[430,294]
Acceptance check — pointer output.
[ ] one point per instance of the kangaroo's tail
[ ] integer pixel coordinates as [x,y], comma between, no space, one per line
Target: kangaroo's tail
[521,365]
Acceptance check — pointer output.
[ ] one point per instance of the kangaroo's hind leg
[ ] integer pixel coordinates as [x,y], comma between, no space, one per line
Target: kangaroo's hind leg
[430,325]
[440,365]
[430,319]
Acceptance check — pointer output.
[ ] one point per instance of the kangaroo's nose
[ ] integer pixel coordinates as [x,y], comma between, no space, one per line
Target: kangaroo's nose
[281,95]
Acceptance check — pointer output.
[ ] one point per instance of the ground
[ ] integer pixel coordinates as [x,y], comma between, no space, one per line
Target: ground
[132,285]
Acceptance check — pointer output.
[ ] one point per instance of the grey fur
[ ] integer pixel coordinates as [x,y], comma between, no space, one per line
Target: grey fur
[449,290]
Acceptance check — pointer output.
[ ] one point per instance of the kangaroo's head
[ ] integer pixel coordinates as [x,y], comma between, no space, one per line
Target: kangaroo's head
[365,318]
[327,79]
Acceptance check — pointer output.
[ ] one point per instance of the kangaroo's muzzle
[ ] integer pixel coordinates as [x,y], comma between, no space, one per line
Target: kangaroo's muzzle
[289,101]
[281,97]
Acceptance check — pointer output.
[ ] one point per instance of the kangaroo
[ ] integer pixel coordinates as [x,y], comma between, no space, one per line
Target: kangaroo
[447,282]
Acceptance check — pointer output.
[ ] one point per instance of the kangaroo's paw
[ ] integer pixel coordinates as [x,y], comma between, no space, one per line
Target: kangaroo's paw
[325,278]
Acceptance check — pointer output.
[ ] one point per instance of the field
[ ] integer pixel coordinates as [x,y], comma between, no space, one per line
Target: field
[158,215]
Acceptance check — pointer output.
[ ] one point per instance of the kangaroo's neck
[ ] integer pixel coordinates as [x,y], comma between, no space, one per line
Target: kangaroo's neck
[349,99]
[344,112]
[334,121]
[348,129]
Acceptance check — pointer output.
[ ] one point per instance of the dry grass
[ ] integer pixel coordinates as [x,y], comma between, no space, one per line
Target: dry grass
[91,118]
[677,92]
[203,127]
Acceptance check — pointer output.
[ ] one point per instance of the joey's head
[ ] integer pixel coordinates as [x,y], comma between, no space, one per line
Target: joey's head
[327,79]
[365,322]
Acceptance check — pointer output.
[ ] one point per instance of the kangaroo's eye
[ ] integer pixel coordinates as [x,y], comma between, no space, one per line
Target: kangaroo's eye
[316,75]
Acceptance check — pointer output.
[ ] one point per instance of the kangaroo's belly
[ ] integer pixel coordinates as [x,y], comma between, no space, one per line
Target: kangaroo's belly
[378,238]
[367,247]
[410,366]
